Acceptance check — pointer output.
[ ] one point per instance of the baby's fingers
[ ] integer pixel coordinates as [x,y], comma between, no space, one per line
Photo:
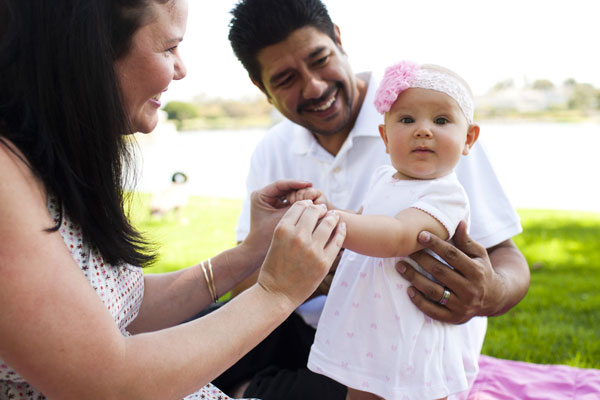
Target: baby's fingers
[309,194]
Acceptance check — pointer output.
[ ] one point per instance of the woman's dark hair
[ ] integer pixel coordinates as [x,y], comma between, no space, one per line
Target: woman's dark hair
[60,105]
[257,24]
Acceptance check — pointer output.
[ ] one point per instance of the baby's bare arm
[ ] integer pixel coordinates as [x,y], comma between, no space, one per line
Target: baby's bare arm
[386,236]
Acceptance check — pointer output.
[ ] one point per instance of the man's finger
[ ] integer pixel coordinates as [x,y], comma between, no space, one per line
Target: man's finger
[445,250]
[430,308]
[463,241]
[423,284]
[440,271]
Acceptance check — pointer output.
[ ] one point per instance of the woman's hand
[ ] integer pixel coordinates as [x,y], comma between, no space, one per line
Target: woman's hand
[325,285]
[267,206]
[305,243]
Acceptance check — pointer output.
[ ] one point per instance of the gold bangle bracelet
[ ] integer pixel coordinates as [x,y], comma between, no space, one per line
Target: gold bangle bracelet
[208,280]
[212,281]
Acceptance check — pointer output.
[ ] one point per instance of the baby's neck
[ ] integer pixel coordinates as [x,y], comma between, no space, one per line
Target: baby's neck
[404,177]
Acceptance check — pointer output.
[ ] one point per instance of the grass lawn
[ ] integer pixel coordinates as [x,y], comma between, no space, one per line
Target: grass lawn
[559,319]
[558,322]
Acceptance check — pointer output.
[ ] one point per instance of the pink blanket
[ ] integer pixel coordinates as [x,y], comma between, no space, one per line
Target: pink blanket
[514,380]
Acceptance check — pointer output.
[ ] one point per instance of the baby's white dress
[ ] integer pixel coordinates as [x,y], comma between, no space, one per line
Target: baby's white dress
[370,336]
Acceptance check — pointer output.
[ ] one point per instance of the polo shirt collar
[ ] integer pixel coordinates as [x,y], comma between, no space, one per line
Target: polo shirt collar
[368,118]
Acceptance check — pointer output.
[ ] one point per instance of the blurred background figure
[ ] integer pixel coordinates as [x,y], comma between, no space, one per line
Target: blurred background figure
[171,199]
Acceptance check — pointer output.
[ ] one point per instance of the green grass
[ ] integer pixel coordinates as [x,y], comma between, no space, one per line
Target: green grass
[203,228]
[559,319]
[558,322]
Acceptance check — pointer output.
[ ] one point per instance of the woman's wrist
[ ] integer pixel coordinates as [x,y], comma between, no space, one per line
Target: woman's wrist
[278,303]
[253,250]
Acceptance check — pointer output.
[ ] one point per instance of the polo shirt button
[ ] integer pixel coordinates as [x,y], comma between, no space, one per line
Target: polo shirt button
[336,170]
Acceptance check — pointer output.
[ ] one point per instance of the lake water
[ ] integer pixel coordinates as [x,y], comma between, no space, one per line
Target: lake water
[540,165]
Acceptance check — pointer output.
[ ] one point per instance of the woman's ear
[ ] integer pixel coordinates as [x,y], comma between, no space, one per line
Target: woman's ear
[472,135]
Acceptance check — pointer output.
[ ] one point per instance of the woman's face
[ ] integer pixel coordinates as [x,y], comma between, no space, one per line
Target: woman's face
[151,63]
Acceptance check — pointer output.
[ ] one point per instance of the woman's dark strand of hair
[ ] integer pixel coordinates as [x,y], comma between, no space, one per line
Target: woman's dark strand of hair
[60,105]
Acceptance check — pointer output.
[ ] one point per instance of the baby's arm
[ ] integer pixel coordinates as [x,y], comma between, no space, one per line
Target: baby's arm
[385,236]
[379,235]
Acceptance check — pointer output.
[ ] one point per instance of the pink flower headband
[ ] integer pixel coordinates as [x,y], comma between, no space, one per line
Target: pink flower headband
[407,74]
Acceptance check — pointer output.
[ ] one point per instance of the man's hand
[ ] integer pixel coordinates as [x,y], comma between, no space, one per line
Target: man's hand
[476,287]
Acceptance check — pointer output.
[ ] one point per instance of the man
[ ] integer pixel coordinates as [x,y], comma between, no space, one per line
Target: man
[293,53]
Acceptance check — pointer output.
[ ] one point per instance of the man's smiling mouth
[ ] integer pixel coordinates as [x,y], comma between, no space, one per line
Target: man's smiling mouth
[324,106]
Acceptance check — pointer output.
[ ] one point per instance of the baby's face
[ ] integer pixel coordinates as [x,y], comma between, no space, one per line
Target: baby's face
[425,133]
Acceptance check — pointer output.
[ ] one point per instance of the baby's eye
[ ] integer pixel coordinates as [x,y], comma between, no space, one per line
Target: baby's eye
[407,120]
[441,121]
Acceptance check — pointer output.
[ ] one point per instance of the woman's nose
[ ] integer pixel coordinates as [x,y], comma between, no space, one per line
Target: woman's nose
[180,69]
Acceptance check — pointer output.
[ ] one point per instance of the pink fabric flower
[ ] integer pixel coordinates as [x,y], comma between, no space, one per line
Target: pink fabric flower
[396,79]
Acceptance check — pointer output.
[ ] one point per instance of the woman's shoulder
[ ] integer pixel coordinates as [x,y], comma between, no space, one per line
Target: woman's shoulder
[20,187]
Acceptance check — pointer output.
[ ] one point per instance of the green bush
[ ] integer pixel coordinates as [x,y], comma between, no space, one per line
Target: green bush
[179,111]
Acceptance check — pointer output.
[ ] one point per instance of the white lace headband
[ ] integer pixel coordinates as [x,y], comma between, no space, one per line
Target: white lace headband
[407,74]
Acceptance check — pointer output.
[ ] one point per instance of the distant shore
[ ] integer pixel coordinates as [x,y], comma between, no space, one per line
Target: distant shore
[264,121]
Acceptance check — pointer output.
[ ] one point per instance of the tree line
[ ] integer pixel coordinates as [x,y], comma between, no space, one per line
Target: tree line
[574,98]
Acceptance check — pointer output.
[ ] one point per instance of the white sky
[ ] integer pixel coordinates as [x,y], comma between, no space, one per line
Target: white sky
[484,41]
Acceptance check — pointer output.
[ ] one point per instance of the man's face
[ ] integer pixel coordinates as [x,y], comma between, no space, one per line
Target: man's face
[307,77]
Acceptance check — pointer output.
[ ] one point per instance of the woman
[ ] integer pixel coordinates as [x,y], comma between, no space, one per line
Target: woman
[79,319]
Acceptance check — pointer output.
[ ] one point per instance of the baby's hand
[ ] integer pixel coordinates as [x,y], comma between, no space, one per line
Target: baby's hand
[309,193]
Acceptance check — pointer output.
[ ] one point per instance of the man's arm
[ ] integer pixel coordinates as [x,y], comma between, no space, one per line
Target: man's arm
[483,282]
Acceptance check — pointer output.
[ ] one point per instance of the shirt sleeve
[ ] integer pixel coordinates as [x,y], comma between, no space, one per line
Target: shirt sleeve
[493,217]
[446,201]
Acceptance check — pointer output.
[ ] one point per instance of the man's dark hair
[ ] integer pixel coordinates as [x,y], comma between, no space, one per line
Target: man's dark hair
[61,106]
[257,24]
